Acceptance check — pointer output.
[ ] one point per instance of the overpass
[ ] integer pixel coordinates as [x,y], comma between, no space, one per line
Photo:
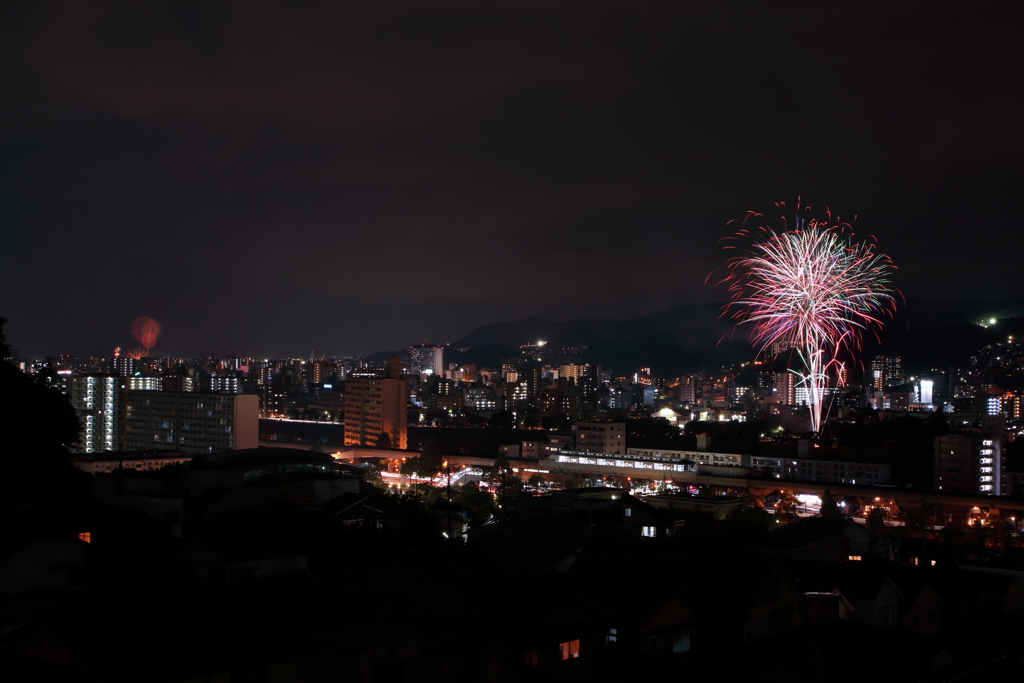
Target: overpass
[686,472]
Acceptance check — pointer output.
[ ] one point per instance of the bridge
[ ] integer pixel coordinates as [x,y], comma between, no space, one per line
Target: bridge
[686,472]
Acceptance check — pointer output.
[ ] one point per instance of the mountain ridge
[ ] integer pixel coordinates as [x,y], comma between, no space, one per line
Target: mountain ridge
[691,337]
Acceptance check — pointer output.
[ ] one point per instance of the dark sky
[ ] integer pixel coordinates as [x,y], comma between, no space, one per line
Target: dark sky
[273,178]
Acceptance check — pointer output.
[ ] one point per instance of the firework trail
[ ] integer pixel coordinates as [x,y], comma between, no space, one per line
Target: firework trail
[810,288]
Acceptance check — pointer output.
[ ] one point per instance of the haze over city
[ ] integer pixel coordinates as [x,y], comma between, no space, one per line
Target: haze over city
[267,179]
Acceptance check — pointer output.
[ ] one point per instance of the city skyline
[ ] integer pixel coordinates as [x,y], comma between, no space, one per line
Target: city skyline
[271,180]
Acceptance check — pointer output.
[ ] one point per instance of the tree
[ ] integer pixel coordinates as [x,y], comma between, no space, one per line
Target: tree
[953,533]
[427,463]
[829,509]
[501,419]
[920,518]
[786,511]
[383,440]
[754,515]
[430,458]
[5,349]
[551,422]
[479,503]
[503,476]
[876,520]
[937,423]
[502,471]
[37,421]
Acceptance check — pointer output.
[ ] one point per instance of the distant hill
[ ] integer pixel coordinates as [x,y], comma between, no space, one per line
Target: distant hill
[528,331]
[382,356]
[917,313]
[671,341]
[676,340]
[928,334]
[940,334]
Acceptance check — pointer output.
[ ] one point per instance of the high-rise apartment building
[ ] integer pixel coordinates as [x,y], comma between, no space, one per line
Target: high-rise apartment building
[190,421]
[99,401]
[972,462]
[145,383]
[886,371]
[510,372]
[427,359]
[375,403]
[572,371]
[687,390]
[785,387]
[217,384]
[123,366]
[132,414]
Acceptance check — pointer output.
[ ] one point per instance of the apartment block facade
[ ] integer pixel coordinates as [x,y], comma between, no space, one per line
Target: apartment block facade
[191,422]
[375,403]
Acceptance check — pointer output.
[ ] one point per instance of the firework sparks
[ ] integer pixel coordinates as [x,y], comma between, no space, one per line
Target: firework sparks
[812,288]
[146,331]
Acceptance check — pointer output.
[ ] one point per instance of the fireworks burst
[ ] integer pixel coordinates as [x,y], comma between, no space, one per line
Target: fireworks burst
[146,331]
[812,289]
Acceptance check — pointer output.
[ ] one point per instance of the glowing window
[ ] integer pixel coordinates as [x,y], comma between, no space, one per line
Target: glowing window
[85,536]
[570,650]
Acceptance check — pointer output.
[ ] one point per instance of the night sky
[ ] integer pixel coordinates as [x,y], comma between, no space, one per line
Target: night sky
[270,179]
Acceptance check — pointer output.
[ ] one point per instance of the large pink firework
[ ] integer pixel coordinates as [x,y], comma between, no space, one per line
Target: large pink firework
[812,288]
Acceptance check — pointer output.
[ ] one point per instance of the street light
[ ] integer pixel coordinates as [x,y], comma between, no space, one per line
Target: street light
[448,469]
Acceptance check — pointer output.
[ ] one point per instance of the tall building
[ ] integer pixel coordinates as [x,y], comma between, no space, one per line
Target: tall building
[971,463]
[510,372]
[216,384]
[785,386]
[559,399]
[427,359]
[687,389]
[122,366]
[886,371]
[99,402]
[375,403]
[601,437]
[572,371]
[146,383]
[190,421]
[271,399]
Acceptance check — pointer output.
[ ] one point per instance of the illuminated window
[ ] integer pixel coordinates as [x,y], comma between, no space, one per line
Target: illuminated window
[85,536]
[570,650]
[855,558]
